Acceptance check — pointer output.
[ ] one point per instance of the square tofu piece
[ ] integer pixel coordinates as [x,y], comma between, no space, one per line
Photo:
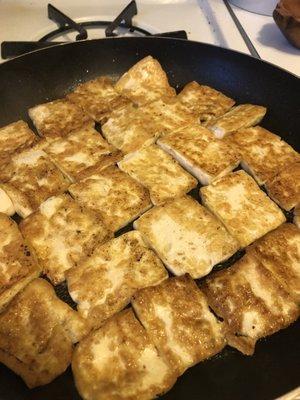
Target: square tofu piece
[17,265]
[118,361]
[117,197]
[245,210]
[263,154]
[205,101]
[31,178]
[251,301]
[14,137]
[198,151]
[36,334]
[187,237]
[284,188]
[279,252]
[104,282]
[97,98]
[178,321]
[145,82]
[61,232]
[159,173]
[81,149]
[58,118]
[239,117]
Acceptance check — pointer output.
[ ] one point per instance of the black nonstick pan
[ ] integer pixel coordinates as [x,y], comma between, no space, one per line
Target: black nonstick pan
[49,74]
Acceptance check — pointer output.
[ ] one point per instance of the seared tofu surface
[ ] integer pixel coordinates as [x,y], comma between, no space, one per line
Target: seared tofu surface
[198,151]
[186,236]
[36,334]
[159,173]
[62,232]
[117,197]
[119,362]
[251,301]
[246,211]
[177,318]
[105,281]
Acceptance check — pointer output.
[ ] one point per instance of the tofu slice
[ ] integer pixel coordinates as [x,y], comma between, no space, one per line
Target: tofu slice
[251,301]
[18,266]
[61,233]
[114,195]
[279,252]
[145,82]
[81,149]
[36,334]
[206,102]
[187,237]
[199,152]
[263,154]
[159,173]
[297,216]
[284,188]
[14,137]
[177,319]
[118,361]
[97,98]
[30,178]
[239,117]
[245,210]
[58,118]
[104,282]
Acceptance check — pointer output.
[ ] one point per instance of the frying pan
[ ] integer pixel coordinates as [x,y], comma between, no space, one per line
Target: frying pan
[48,74]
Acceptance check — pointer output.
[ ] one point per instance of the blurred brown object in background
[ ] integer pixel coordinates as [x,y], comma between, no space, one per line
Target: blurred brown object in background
[287,17]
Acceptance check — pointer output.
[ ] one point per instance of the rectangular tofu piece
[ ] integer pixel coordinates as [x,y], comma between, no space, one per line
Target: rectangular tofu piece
[199,152]
[251,301]
[31,178]
[145,82]
[245,210]
[159,173]
[17,265]
[206,102]
[81,149]
[118,361]
[62,232]
[279,252]
[284,187]
[104,282]
[117,197]
[58,118]
[187,237]
[97,98]
[177,319]
[37,331]
[239,117]
[263,154]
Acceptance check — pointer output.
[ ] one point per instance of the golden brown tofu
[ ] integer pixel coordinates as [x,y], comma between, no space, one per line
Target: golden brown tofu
[251,301]
[263,154]
[61,233]
[199,152]
[97,98]
[119,362]
[105,281]
[245,210]
[159,173]
[36,334]
[58,118]
[177,319]
[239,117]
[17,265]
[279,252]
[205,101]
[187,237]
[117,197]
[145,82]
